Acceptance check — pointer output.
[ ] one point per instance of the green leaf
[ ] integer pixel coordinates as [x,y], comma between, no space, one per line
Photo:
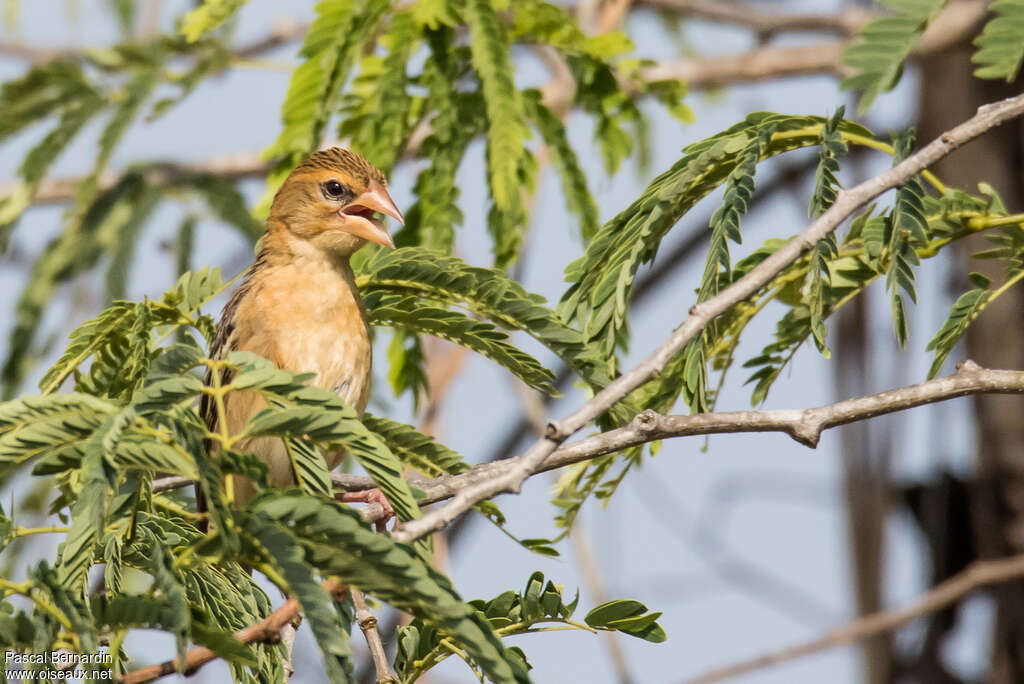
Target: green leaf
[278,547]
[725,222]
[33,426]
[1000,48]
[628,616]
[167,582]
[506,129]
[643,626]
[208,16]
[224,644]
[965,309]
[432,14]
[601,281]
[881,47]
[415,449]
[121,237]
[376,114]
[410,313]
[309,467]
[142,84]
[41,92]
[489,294]
[300,411]
[89,509]
[574,181]
[428,456]
[119,338]
[406,366]
[339,31]
[224,199]
[826,188]
[39,159]
[338,542]
[431,220]
[544,23]
[906,229]
[76,249]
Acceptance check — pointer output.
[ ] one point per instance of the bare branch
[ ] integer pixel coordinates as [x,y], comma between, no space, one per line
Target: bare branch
[267,630]
[956,24]
[342,481]
[281,33]
[368,624]
[979,574]
[766,25]
[31,53]
[803,425]
[233,167]
[703,313]
[760,64]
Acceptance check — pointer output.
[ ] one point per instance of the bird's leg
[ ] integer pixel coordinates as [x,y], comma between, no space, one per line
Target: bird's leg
[370,496]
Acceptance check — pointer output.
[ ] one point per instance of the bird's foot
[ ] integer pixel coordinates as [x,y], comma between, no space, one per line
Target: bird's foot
[370,496]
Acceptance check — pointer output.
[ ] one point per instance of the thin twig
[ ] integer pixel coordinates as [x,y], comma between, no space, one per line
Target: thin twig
[979,574]
[847,201]
[267,630]
[288,633]
[368,624]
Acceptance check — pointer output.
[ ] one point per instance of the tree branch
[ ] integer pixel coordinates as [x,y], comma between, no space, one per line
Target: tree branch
[847,201]
[766,25]
[368,624]
[979,574]
[803,425]
[281,33]
[267,630]
[342,481]
[236,166]
[956,24]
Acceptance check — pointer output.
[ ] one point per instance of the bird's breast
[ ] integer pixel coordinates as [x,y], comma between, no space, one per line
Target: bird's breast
[311,321]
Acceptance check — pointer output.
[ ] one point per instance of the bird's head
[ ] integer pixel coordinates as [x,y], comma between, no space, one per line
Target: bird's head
[332,200]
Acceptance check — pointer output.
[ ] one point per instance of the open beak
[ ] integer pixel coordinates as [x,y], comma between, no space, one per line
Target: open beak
[359,215]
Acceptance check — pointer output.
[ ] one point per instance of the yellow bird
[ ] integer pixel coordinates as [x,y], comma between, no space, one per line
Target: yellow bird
[298,305]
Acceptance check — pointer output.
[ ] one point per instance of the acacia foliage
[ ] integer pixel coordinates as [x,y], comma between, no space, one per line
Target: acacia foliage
[118,407]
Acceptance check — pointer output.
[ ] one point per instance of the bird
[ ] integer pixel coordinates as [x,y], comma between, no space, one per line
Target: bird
[298,305]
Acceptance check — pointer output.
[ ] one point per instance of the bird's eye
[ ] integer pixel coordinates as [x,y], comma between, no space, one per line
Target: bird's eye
[333,189]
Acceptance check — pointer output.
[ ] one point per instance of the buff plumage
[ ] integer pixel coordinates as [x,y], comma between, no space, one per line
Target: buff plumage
[298,305]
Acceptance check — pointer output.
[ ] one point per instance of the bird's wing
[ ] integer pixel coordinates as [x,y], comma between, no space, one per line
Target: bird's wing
[223,342]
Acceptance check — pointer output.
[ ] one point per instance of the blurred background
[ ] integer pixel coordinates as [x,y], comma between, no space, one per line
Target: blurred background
[746,543]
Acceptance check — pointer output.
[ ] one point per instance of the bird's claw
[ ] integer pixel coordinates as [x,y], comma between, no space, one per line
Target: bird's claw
[370,496]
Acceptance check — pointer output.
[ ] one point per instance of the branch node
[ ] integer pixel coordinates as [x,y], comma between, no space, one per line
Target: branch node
[967,366]
[646,420]
[555,431]
[807,434]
